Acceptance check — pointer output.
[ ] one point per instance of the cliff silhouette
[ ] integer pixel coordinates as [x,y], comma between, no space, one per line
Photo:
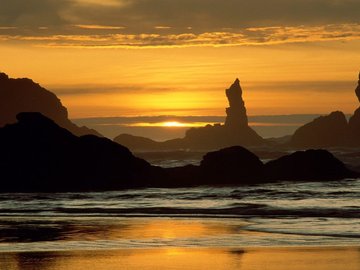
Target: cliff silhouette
[24,95]
[331,130]
[37,155]
[235,131]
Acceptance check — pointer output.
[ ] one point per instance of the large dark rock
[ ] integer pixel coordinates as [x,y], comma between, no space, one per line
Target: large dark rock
[38,155]
[233,165]
[325,131]
[23,95]
[309,165]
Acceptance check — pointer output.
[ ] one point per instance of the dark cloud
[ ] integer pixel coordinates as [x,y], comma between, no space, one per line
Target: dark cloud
[32,13]
[210,15]
[175,16]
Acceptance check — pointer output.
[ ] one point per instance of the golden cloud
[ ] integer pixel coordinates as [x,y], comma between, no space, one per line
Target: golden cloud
[249,36]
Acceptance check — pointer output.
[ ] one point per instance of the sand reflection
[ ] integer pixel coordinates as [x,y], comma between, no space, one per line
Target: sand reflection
[91,229]
[181,258]
[159,244]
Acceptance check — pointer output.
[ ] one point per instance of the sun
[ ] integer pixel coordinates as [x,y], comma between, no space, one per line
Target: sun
[173,124]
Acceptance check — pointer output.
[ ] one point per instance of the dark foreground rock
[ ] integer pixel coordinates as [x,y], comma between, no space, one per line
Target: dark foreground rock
[309,165]
[238,166]
[230,165]
[37,155]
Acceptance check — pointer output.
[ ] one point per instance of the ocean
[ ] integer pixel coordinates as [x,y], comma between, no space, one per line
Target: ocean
[267,215]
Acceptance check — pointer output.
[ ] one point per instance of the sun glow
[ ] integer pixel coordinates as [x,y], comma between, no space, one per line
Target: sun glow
[173,124]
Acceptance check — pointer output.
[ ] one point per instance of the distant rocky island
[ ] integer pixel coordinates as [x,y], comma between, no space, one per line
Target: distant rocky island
[235,131]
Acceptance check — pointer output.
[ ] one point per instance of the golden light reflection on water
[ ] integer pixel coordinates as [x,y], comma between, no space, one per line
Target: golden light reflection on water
[163,229]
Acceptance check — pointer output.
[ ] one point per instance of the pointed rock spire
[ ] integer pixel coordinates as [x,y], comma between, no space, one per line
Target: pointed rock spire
[236,113]
[357,90]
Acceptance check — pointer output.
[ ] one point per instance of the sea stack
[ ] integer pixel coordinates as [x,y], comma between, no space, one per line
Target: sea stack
[354,122]
[236,128]
[236,113]
[235,131]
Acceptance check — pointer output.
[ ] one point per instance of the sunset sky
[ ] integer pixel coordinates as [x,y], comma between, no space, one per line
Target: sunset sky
[176,57]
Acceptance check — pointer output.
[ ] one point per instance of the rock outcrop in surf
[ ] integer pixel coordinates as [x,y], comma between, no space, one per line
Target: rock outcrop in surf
[307,165]
[39,156]
[24,95]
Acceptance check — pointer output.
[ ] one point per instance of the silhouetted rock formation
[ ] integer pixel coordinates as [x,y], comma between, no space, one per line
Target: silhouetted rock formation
[235,131]
[238,166]
[236,113]
[23,95]
[310,165]
[354,122]
[325,131]
[38,155]
[357,90]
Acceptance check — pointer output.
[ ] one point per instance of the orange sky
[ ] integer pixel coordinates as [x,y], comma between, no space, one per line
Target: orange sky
[104,65]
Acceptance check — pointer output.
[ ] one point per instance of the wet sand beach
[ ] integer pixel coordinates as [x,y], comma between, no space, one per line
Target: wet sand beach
[166,243]
[294,258]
